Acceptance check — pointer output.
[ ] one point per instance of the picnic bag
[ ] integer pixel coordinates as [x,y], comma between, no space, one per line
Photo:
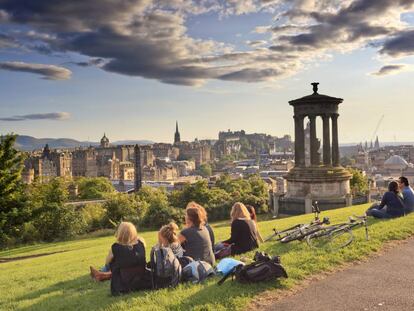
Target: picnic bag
[165,268]
[263,268]
[197,271]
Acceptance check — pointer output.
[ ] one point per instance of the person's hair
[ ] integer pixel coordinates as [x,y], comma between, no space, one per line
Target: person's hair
[126,234]
[404,181]
[169,233]
[252,212]
[196,216]
[203,211]
[393,186]
[238,210]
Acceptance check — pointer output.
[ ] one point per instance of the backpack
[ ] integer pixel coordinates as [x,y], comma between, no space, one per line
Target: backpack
[165,268]
[264,268]
[197,271]
[222,250]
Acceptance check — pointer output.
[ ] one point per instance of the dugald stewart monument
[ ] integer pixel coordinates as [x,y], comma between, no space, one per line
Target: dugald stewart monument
[324,180]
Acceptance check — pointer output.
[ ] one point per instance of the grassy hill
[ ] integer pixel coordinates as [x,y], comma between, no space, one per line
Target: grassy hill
[61,281]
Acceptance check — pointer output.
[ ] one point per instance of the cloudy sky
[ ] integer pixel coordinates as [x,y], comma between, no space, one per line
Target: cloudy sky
[130,68]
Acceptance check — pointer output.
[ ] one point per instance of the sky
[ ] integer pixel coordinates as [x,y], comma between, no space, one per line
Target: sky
[131,68]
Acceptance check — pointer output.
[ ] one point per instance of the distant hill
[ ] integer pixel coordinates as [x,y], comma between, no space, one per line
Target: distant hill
[28,143]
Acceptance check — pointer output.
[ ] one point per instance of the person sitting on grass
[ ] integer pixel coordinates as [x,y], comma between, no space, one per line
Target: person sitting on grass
[195,238]
[393,202]
[407,193]
[168,237]
[243,236]
[253,217]
[205,219]
[127,263]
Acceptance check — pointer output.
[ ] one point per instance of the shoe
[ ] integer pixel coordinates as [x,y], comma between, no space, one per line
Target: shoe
[100,276]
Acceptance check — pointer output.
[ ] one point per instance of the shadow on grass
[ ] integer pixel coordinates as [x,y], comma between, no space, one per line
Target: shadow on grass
[76,294]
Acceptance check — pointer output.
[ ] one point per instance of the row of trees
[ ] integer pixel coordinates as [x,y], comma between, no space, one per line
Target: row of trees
[43,211]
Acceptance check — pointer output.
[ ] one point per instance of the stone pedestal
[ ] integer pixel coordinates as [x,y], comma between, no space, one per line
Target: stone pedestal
[276,205]
[328,185]
[308,204]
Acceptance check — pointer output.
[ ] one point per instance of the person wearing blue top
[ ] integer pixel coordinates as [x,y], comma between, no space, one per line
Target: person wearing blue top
[392,200]
[408,194]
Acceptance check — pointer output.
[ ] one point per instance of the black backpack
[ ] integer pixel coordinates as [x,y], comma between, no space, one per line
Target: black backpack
[165,268]
[264,268]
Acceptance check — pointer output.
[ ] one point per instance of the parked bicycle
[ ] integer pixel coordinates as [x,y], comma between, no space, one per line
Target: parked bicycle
[338,235]
[300,231]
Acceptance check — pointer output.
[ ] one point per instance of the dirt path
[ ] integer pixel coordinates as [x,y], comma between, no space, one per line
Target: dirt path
[4,260]
[385,282]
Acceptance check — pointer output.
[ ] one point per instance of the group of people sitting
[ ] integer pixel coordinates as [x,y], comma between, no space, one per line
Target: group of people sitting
[396,202]
[126,265]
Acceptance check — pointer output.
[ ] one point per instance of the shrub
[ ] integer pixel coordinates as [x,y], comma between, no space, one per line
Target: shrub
[55,221]
[159,211]
[123,207]
[94,188]
[94,216]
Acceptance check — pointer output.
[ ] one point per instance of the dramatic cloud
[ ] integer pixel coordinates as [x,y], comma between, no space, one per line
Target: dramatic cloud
[48,72]
[149,38]
[40,116]
[402,44]
[389,69]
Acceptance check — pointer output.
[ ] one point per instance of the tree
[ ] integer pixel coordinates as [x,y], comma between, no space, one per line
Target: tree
[94,187]
[52,217]
[159,212]
[123,207]
[14,210]
[358,182]
[205,170]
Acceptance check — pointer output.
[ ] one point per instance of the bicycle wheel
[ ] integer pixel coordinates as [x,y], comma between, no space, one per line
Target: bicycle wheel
[333,238]
[301,233]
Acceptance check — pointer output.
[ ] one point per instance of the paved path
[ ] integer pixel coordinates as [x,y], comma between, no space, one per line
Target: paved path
[383,283]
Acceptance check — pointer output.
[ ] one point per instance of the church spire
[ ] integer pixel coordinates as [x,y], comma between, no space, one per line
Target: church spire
[177,134]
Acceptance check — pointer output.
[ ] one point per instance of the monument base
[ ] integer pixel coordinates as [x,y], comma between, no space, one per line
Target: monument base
[328,185]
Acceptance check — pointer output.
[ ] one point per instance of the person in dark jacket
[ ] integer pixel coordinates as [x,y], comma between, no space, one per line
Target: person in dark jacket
[391,205]
[243,236]
[127,262]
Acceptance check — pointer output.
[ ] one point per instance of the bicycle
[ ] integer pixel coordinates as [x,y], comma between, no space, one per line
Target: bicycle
[300,231]
[337,236]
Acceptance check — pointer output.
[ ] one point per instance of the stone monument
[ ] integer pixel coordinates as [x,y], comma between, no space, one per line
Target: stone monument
[326,181]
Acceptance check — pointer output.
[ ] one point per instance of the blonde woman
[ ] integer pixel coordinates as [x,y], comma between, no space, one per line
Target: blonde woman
[126,260]
[243,236]
[168,237]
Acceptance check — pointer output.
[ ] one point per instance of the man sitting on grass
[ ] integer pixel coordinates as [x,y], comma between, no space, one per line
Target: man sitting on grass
[408,194]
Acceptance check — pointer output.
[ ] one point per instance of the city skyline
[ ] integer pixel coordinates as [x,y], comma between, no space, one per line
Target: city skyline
[133,69]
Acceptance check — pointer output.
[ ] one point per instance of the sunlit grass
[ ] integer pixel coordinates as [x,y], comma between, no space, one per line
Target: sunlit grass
[61,281]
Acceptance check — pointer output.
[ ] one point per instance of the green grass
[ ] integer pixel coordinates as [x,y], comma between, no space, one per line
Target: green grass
[61,281]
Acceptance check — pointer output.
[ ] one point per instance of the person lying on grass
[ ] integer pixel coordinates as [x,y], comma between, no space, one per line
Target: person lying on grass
[126,262]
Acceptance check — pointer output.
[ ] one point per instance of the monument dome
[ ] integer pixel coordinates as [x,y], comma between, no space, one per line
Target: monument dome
[395,162]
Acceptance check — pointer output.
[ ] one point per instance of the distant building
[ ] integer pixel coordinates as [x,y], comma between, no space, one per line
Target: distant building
[177,138]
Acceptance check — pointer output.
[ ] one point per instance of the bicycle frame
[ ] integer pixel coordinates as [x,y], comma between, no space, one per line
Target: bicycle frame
[300,231]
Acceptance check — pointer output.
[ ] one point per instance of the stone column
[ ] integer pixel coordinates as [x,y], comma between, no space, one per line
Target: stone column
[138,168]
[299,141]
[335,144]
[314,159]
[326,141]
